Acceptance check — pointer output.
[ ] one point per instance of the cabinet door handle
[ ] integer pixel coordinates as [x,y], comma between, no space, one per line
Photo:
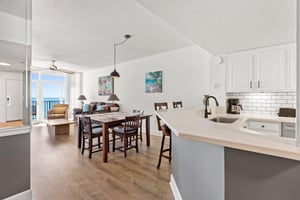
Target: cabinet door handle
[258,84]
[263,126]
[250,84]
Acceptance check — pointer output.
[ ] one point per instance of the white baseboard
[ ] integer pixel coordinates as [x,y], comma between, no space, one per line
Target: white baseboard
[26,195]
[174,188]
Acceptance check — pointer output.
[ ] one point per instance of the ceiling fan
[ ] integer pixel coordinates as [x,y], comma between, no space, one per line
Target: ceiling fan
[54,68]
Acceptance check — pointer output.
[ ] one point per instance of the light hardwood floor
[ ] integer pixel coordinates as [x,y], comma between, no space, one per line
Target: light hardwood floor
[11,124]
[59,171]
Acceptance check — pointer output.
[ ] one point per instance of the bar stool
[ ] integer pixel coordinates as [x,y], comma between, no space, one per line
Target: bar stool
[166,132]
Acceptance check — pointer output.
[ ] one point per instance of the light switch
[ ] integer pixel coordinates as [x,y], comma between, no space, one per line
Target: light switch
[216,86]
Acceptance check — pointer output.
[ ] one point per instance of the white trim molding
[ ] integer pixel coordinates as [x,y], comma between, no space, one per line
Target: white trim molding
[26,195]
[174,189]
[26,129]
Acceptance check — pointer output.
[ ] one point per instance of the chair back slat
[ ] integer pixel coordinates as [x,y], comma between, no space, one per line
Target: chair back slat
[86,125]
[131,123]
[177,104]
[160,106]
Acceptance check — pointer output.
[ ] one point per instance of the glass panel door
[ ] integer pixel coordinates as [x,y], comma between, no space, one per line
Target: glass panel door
[53,93]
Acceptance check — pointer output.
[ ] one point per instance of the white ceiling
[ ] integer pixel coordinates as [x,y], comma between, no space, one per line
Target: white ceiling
[14,54]
[12,34]
[15,7]
[223,26]
[80,34]
[83,32]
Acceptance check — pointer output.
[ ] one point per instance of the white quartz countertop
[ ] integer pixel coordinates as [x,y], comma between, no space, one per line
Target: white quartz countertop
[190,124]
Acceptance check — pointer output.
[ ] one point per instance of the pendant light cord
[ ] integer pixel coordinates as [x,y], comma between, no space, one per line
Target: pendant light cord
[115,49]
[115,56]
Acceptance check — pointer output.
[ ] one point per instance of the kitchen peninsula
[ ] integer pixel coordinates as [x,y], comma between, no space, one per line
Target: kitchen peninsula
[226,161]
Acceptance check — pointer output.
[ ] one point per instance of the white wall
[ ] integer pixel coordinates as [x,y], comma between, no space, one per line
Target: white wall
[217,77]
[185,78]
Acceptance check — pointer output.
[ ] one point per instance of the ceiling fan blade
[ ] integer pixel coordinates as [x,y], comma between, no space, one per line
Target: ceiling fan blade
[37,68]
[65,71]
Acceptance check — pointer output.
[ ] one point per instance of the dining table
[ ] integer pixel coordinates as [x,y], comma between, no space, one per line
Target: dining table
[109,120]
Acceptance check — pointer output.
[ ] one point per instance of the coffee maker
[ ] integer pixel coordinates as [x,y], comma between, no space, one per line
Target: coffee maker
[234,106]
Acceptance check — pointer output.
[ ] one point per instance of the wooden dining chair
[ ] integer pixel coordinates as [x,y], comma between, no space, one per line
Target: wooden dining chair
[140,112]
[89,133]
[127,131]
[166,132]
[177,104]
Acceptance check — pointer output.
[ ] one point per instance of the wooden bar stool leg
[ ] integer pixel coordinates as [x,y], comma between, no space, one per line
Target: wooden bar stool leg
[82,146]
[114,142]
[136,144]
[126,145]
[161,151]
[90,147]
[141,126]
[170,149]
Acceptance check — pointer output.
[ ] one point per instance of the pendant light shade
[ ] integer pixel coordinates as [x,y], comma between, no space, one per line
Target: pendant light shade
[114,73]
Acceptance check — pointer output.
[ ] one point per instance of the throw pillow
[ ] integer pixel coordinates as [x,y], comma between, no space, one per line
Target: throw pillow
[100,107]
[86,108]
[92,105]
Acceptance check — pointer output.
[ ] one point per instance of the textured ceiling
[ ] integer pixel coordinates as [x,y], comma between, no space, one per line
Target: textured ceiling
[83,32]
[229,25]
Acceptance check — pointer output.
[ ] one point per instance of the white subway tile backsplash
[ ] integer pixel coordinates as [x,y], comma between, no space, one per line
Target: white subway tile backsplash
[275,97]
[287,97]
[281,93]
[276,105]
[293,101]
[270,101]
[286,105]
[281,101]
[265,103]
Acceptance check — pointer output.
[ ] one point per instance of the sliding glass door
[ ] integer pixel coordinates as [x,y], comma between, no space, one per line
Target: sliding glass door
[47,89]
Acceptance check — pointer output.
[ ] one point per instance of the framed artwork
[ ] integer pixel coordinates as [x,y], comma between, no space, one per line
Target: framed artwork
[153,82]
[105,84]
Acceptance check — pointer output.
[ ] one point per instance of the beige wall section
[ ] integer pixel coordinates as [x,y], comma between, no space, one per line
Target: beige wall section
[185,78]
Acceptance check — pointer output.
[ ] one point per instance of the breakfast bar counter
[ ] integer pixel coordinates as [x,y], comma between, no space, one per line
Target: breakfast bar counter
[189,124]
[226,161]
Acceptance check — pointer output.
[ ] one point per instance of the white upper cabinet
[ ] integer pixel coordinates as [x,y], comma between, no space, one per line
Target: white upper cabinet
[262,70]
[239,72]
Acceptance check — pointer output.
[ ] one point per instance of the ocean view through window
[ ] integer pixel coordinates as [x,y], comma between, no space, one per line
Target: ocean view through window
[47,90]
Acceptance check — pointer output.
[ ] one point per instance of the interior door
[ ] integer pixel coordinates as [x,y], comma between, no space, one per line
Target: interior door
[14,105]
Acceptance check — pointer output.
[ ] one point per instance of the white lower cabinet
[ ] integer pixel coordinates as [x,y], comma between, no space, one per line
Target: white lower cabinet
[267,128]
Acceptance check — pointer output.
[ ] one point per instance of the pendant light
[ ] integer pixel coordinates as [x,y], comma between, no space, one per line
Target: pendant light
[114,73]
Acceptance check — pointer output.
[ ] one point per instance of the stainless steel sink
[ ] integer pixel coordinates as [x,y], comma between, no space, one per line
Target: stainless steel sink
[225,120]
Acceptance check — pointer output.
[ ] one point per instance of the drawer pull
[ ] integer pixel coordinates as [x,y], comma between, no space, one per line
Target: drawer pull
[263,126]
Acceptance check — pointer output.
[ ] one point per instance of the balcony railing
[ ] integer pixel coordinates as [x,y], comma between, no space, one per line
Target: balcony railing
[47,105]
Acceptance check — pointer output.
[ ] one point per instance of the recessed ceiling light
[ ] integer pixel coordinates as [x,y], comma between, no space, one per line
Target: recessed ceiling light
[4,64]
